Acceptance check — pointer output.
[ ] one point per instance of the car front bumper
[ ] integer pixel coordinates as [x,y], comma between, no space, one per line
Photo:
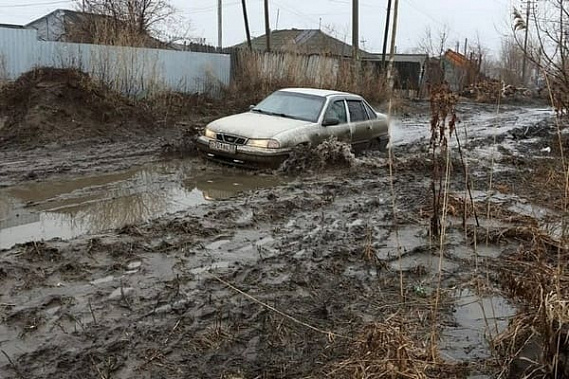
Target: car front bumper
[244,155]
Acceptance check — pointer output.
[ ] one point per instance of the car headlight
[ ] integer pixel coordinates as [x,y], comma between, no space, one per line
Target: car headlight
[210,133]
[264,143]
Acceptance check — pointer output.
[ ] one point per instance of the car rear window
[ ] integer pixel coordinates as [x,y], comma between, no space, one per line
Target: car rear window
[357,111]
[293,105]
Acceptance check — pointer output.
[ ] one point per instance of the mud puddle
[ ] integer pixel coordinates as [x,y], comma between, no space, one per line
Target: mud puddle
[474,125]
[66,209]
[478,319]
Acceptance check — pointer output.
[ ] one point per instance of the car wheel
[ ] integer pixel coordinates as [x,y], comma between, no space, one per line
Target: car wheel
[382,143]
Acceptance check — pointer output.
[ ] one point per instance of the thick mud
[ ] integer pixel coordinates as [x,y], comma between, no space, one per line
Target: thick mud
[297,277]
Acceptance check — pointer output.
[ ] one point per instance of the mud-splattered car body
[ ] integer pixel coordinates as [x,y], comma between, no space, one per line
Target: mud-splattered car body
[291,117]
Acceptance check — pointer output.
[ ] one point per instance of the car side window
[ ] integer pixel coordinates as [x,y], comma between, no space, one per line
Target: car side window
[337,110]
[357,111]
[370,112]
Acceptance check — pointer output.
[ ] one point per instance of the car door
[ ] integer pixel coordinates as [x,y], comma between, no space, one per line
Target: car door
[359,121]
[336,110]
[378,125]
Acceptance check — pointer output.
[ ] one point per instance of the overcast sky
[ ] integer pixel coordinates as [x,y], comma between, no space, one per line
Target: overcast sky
[465,18]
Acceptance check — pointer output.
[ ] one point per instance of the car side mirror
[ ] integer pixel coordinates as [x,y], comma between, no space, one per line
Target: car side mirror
[330,121]
[251,106]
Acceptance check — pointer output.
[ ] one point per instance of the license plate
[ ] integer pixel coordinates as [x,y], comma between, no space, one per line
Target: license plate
[225,147]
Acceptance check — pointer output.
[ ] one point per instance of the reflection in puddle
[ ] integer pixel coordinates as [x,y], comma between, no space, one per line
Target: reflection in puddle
[477,318]
[88,205]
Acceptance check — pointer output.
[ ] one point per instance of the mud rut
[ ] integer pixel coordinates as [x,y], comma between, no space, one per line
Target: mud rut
[279,283]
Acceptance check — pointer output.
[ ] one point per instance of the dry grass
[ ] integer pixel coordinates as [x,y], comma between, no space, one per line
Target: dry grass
[536,276]
[257,74]
[394,349]
[536,343]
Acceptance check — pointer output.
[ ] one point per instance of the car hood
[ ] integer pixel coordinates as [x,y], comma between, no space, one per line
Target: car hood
[255,125]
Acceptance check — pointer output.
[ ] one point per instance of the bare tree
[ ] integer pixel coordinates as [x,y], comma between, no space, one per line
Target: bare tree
[510,62]
[548,50]
[431,44]
[116,20]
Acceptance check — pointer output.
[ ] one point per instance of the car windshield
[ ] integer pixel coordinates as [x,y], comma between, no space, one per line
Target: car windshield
[293,105]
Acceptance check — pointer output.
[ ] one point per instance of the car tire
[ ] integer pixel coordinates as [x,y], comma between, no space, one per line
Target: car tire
[382,143]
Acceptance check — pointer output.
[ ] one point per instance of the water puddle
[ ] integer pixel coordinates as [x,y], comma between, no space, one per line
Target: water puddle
[479,124]
[425,261]
[70,208]
[477,320]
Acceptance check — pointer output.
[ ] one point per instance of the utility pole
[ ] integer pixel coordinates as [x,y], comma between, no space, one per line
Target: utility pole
[355,29]
[246,20]
[465,46]
[386,33]
[392,51]
[267,26]
[219,25]
[524,62]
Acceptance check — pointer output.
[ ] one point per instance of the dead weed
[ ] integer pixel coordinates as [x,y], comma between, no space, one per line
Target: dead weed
[393,349]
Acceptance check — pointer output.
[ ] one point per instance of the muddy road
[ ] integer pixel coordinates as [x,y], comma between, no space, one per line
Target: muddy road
[140,266]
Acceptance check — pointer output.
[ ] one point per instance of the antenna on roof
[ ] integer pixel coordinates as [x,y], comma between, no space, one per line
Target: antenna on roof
[277,23]
[320,23]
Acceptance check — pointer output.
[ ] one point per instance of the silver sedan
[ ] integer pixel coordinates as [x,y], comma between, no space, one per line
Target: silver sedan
[291,117]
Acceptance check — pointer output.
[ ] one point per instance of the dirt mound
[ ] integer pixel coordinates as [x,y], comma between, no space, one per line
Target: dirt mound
[330,153]
[61,105]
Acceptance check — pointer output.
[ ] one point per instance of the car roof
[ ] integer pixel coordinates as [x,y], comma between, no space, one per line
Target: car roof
[317,92]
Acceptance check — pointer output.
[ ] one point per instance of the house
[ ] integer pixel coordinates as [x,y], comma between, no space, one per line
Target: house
[459,70]
[303,41]
[55,26]
[64,25]
[410,68]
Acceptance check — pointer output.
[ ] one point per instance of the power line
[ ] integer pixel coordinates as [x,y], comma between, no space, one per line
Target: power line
[423,12]
[211,7]
[34,4]
[312,20]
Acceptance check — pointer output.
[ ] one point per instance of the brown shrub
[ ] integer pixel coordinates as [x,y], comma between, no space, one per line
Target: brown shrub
[257,74]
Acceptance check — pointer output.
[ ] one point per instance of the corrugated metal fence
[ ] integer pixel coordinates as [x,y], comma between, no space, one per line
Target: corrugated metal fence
[131,70]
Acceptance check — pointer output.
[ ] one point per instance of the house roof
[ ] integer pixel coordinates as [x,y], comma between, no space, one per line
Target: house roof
[306,41]
[86,19]
[11,26]
[457,59]
[69,14]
